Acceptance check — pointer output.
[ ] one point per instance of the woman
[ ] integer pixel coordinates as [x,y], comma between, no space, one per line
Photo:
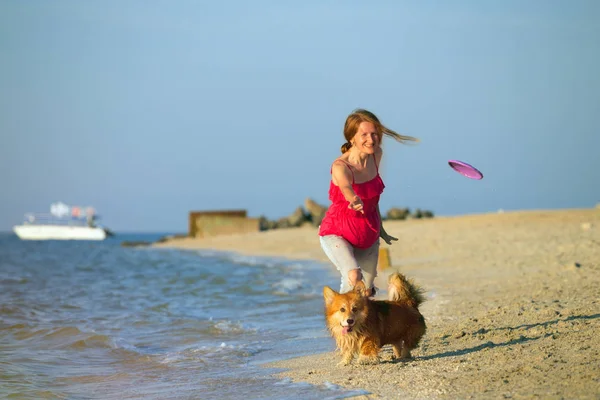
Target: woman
[352,226]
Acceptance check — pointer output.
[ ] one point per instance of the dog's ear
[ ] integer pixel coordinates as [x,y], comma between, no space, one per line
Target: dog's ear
[328,294]
[360,288]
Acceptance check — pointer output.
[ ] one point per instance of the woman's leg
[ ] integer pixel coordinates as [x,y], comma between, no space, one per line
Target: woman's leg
[341,254]
[367,260]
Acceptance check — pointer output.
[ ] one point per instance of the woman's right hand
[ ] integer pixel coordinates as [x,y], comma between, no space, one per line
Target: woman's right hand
[356,204]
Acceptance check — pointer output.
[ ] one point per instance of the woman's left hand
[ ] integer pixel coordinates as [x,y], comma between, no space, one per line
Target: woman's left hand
[387,238]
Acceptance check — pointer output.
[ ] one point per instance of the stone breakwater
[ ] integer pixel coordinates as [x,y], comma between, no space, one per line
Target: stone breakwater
[312,213]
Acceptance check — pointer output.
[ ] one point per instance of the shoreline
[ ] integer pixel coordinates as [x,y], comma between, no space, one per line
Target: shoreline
[512,308]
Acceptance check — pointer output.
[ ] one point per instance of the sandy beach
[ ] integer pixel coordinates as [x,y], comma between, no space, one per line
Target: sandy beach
[513,305]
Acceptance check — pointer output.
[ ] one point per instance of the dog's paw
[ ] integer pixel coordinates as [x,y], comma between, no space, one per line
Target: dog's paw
[368,360]
[346,360]
[405,355]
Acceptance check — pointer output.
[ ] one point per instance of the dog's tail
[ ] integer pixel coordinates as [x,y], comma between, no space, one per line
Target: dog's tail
[403,290]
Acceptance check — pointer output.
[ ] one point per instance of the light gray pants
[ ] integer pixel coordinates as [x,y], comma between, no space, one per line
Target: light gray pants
[346,258]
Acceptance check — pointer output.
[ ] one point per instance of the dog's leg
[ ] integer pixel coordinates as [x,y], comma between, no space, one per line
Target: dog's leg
[405,353]
[346,351]
[369,352]
[411,340]
[397,347]
[401,351]
[347,357]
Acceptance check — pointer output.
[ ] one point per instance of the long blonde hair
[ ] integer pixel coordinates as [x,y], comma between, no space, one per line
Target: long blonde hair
[360,115]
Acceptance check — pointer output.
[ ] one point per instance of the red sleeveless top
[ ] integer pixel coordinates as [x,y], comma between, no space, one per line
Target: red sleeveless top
[360,230]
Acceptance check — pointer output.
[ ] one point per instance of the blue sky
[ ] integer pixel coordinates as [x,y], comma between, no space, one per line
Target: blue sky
[147,110]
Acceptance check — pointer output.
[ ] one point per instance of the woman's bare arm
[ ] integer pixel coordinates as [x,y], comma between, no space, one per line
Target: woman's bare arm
[342,177]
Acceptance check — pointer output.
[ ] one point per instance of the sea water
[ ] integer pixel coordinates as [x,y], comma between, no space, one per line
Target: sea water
[95,320]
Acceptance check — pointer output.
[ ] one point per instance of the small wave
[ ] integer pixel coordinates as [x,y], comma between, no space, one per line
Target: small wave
[255,261]
[24,334]
[13,327]
[241,259]
[132,354]
[12,279]
[228,327]
[308,266]
[331,386]
[290,383]
[350,393]
[73,338]
[288,285]
[216,353]
[70,307]
[340,392]
[159,307]
[93,342]
[68,337]
[35,394]
[66,331]
[103,379]
[8,310]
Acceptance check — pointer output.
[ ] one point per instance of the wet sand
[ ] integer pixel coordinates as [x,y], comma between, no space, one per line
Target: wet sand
[513,306]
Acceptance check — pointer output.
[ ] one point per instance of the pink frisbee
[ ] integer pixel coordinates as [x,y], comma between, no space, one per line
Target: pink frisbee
[465,169]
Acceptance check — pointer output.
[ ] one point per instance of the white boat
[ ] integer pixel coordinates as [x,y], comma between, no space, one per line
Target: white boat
[63,223]
[59,232]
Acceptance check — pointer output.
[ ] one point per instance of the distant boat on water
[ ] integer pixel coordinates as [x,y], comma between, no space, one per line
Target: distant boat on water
[62,223]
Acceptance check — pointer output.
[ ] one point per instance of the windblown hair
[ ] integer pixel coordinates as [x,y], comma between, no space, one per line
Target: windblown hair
[360,115]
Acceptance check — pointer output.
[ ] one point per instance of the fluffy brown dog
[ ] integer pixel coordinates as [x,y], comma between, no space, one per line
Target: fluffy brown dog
[362,326]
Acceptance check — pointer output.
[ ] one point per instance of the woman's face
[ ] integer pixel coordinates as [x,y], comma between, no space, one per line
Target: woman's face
[366,139]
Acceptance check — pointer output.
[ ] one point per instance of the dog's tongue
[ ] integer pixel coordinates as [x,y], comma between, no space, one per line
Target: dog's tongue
[346,329]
